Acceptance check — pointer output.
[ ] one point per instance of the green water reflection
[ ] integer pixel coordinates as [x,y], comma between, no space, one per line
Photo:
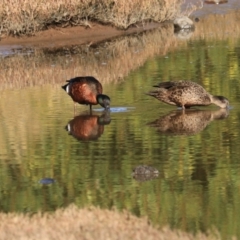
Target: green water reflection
[199,182]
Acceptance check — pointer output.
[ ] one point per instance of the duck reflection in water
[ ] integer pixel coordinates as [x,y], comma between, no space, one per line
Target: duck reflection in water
[188,122]
[87,127]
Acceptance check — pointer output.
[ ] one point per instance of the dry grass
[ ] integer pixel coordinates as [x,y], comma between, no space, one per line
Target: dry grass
[93,223]
[20,17]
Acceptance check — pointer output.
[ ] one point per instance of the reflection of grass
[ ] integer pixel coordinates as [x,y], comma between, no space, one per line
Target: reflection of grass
[29,16]
[219,26]
[108,62]
[94,223]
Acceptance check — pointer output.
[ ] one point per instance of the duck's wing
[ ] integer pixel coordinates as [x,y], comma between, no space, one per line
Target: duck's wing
[165,85]
[174,84]
[76,79]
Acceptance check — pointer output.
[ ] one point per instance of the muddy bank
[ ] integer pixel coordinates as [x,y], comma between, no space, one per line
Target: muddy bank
[95,32]
[59,37]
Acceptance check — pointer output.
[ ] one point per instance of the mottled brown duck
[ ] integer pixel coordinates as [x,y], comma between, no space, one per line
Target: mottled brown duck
[86,90]
[186,94]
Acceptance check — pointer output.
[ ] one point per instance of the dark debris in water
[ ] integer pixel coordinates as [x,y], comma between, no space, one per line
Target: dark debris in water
[47,181]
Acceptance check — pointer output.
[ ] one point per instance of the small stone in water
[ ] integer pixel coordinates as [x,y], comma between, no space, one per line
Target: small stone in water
[144,169]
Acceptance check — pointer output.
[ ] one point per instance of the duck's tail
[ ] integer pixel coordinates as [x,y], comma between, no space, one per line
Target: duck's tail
[165,85]
[153,93]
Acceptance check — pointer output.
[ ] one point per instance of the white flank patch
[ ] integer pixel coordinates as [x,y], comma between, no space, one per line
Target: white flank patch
[67,88]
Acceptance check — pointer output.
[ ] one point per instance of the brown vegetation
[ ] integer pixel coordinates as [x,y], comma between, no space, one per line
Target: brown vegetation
[92,223]
[29,16]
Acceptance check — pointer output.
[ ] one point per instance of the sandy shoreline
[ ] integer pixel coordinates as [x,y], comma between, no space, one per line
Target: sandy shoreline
[60,37]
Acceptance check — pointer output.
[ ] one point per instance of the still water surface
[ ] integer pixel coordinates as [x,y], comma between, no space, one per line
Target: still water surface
[199,169]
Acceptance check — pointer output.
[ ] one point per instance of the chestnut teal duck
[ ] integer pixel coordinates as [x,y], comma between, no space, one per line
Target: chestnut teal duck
[86,90]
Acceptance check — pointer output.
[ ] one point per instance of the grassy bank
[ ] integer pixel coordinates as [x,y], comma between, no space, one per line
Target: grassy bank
[93,223]
[25,17]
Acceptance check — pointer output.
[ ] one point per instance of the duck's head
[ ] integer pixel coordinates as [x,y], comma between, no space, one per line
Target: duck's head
[103,100]
[220,101]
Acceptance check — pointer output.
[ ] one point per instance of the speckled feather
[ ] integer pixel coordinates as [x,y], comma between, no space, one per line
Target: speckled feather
[181,93]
